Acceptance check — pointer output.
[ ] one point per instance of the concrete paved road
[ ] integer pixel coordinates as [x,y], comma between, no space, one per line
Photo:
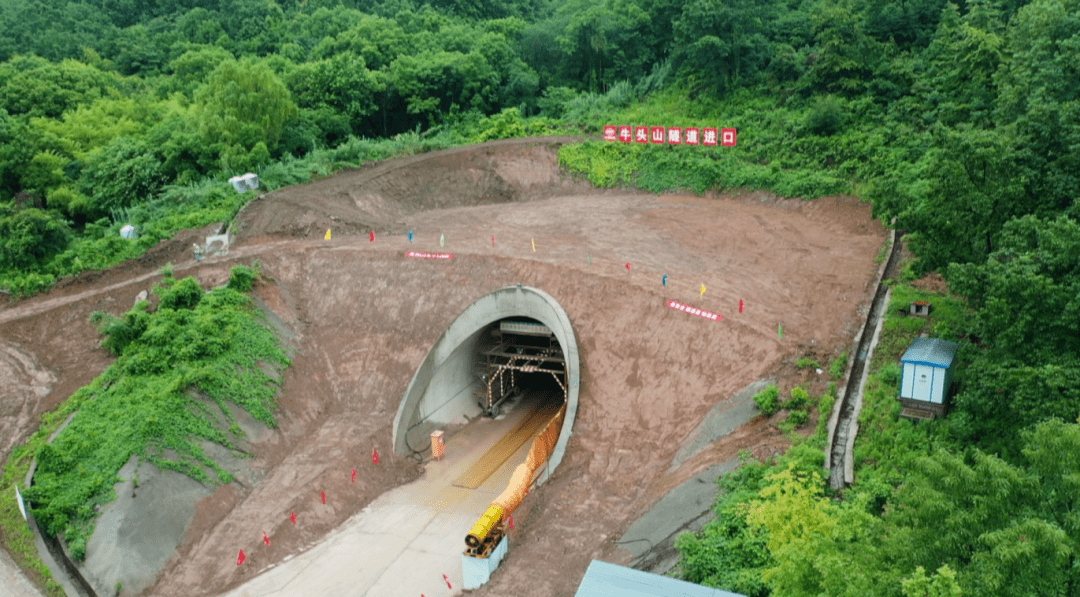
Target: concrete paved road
[12,581]
[404,541]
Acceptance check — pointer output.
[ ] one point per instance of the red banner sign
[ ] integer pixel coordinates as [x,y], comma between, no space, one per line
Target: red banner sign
[675,135]
[429,255]
[695,311]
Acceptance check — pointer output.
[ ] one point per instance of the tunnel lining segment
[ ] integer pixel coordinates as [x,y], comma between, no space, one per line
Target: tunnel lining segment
[508,302]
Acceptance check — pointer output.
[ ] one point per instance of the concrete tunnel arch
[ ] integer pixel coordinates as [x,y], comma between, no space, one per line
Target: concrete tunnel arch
[448,365]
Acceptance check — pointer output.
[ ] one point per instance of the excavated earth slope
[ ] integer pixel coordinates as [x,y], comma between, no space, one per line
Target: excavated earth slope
[361,317]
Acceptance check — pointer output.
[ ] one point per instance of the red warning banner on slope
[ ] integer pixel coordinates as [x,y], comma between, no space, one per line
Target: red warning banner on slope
[695,311]
[429,255]
[674,135]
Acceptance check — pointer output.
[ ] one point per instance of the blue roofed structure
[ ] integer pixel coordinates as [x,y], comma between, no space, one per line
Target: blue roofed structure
[927,376]
[608,580]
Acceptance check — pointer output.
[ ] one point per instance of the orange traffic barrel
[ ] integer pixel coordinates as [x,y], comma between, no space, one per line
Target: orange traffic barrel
[437,444]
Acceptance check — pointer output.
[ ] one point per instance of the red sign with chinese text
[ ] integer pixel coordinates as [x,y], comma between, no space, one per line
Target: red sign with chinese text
[674,135]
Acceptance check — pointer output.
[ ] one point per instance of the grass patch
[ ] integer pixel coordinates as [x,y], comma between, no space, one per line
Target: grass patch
[837,365]
[807,363]
[888,444]
[143,405]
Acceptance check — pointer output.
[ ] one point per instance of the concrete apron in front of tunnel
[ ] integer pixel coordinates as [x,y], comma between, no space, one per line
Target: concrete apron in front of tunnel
[404,541]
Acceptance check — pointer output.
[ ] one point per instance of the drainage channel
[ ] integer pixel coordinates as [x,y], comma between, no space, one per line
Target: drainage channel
[840,448]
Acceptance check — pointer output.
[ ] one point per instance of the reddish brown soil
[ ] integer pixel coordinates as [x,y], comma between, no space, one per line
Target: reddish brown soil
[361,317]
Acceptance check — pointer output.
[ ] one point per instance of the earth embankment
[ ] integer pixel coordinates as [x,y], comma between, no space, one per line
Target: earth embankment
[360,317]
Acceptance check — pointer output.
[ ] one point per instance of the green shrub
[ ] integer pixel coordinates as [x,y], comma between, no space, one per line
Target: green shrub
[826,117]
[799,399]
[768,400]
[799,417]
[242,278]
[807,363]
[825,406]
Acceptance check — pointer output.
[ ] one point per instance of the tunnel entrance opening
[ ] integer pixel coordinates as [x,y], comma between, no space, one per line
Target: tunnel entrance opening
[520,356]
[518,343]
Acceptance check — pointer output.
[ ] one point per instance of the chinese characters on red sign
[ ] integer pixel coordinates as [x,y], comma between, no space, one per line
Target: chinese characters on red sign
[657,134]
[429,255]
[674,135]
[695,311]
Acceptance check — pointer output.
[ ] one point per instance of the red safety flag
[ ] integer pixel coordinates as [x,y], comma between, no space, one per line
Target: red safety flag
[447,579]
[266,539]
[372,236]
[292,517]
[610,133]
[493,241]
[323,493]
[628,267]
[740,305]
[511,522]
[375,456]
[727,137]
[353,476]
[240,559]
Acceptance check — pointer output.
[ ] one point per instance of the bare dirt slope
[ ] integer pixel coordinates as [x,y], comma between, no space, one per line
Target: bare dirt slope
[361,317]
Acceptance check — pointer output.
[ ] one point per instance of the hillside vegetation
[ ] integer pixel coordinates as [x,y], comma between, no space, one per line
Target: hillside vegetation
[959,121]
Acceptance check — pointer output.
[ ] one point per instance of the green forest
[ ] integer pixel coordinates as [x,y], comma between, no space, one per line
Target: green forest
[959,121]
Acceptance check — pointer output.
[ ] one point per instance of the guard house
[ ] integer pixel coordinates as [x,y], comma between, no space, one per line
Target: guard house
[928,371]
[608,580]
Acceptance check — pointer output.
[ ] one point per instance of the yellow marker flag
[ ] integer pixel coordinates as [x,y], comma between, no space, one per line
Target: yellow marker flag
[702,290]
[327,237]
[534,245]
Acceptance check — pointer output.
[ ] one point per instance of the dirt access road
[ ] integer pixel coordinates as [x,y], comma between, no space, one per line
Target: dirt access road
[361,317]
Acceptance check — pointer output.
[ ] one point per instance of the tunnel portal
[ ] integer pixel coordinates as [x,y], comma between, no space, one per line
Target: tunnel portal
[513,345]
